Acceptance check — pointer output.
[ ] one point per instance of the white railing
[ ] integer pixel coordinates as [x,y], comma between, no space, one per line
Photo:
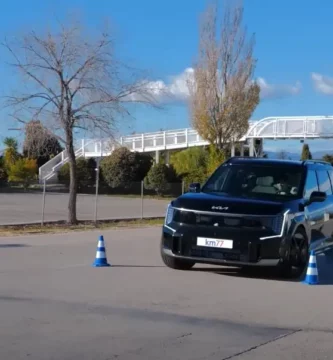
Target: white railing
[292,127]
[296,127]
[49,169]
[171,139]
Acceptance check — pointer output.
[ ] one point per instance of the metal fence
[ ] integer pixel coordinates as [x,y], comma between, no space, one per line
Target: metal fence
[40,203]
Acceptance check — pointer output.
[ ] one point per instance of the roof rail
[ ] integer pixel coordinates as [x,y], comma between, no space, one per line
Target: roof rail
[316,162]
[242,157]
[231,158]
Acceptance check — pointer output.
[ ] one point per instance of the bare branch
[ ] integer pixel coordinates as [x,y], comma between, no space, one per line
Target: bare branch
[73,82]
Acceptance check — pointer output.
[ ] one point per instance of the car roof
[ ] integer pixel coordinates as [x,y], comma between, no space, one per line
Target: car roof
[266,161]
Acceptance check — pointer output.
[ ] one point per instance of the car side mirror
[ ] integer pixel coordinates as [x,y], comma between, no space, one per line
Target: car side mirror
[194,187]
[317,196]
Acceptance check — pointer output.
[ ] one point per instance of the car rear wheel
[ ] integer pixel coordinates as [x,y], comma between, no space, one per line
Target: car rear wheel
[177,264]
[298,256]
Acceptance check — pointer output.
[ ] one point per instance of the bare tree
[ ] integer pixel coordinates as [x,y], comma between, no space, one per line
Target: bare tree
[73,82]
[38,142]
[328,158]
[282,155]
[223,94]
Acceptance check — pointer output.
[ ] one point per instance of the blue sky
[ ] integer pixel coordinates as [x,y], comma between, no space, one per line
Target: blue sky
[293,38]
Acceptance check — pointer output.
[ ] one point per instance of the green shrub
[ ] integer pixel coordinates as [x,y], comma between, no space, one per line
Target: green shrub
[196,164]
[85,170]
[23,170]
[158,178]
[215,158]
[144,162]
[124,167]
[3,172]
[196,175]
[185,161]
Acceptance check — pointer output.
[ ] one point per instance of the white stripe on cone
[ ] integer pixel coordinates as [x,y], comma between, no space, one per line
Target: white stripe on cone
[100,244]
[312,271]
[100,255]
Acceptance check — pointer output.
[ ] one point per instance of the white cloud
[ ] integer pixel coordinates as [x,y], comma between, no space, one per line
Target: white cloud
[176,88]
[273,91]
[322,84]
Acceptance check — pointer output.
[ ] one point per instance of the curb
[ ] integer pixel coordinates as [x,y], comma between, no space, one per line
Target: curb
[82,222]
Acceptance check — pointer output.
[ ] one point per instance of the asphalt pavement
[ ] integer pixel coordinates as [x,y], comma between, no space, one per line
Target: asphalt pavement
[55,305]
[27,208]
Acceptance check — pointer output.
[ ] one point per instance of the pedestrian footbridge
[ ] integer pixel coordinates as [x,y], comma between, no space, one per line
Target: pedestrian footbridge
[289,127]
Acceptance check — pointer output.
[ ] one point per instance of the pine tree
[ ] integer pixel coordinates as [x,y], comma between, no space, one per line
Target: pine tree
[306,153]
[11,153]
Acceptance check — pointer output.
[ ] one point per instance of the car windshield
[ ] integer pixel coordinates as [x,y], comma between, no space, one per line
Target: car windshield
[276,182]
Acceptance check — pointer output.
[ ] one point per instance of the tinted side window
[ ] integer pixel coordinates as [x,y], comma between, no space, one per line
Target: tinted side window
[311,184]
[324,182]
[330,172]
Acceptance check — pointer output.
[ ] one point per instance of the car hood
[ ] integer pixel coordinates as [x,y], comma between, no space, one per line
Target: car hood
[225,204]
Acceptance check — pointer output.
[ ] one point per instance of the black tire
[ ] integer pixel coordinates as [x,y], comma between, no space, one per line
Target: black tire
[177,264]
[298,257]
[246,269]
[285,270]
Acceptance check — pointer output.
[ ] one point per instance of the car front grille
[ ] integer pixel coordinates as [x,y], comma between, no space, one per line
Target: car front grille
[246,222]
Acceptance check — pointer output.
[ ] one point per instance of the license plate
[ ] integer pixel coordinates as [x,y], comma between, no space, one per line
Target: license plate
[215,243]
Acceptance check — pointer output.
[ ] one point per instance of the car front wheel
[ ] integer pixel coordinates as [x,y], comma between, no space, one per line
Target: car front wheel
[298,256]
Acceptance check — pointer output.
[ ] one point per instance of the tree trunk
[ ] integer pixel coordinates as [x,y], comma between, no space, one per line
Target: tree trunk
[219,142]
[73,178]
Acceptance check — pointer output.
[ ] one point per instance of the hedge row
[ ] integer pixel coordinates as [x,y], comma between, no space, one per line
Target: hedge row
[123,168]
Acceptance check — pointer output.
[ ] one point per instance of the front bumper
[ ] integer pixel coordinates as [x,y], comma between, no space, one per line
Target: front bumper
[247,248]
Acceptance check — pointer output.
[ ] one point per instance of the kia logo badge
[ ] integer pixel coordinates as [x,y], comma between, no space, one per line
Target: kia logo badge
[220,208]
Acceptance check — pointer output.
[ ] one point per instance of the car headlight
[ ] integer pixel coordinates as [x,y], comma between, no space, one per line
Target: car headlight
[275,223]
[169,215]
[280,222]
[278,225]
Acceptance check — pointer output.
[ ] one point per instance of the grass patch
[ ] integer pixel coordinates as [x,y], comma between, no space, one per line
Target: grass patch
[37,190]
[62,227]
